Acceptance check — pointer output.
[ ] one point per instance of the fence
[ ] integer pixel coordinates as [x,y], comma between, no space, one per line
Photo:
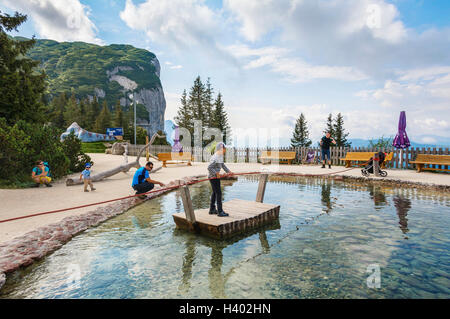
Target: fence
[252,155]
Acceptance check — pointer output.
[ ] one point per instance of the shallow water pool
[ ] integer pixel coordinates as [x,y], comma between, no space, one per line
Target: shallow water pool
[334,240]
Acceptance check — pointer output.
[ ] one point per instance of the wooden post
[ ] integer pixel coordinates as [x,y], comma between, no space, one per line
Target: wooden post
[261,187]
[187,204]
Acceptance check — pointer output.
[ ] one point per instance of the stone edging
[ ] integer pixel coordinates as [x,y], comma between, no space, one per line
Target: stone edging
[22,251]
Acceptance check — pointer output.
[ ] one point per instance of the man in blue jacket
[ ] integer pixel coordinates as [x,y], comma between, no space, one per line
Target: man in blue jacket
[142,183]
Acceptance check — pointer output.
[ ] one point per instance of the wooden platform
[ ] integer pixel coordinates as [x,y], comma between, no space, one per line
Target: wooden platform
[244,216]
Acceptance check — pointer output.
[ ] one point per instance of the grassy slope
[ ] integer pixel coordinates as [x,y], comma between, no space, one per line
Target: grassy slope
[82,67]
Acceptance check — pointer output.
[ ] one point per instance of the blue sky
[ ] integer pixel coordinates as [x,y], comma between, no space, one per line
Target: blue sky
[273,59]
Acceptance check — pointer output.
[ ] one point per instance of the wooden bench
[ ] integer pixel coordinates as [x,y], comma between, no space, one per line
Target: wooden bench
[175,158]
[363,157]
[428,159]
[281,156]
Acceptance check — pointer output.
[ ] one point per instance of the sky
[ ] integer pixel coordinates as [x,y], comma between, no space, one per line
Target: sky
[275,59]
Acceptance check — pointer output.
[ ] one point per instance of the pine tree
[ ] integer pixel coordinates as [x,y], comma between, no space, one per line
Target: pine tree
[184,114]
[21,84]
[196,99]
[72,113]
[103,120]
[300,137]
[339,132]
[330,125]
[220,120]
[118,116]
[57,109]
[208,104]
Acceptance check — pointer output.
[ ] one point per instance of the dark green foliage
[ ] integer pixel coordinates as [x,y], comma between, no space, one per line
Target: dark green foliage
[300,136]
[339,132]
[21,86]
[103,120]
[220,117]
[83,66]
[25,143]
[329,125]
[200,106]
[73,151]
[159,140]
[382,142]
[141,134]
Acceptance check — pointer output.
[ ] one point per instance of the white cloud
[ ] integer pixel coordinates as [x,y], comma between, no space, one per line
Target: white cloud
[365,35]
[182,24]
[293,69]
[59,20]
[176,67]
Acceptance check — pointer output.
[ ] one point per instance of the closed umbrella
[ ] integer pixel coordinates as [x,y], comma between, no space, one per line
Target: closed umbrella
[177,147]
[401,140]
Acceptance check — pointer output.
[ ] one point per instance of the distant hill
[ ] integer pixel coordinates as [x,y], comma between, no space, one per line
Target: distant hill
[108,72]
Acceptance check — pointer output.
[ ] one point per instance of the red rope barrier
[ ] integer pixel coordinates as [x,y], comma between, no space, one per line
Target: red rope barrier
[162,189]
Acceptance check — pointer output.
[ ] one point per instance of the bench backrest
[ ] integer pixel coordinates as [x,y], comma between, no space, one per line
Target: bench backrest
[175,156]
[433,158]
[280,154]
[365,156]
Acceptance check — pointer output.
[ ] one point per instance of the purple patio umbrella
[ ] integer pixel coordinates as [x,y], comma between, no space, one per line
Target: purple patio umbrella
[401,140]
[177,147]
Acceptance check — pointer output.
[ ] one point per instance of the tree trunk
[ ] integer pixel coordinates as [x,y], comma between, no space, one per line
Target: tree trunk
[122,168]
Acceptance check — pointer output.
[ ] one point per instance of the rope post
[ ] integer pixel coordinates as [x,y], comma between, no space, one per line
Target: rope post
[261,187]
[376,165]
[187,204]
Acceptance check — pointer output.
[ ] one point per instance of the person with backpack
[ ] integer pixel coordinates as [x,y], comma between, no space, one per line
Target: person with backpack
[142,183]
[41,174]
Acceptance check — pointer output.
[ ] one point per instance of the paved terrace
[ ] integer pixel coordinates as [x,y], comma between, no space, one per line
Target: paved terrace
[20,202]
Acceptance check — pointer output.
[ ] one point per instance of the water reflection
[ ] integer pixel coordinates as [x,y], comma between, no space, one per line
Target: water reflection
[403,205]
[378,196]
[325,197]
[188,261]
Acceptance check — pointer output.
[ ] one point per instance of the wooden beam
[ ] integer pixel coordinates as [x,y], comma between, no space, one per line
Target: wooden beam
[376,166]
[187,204]
[261,187]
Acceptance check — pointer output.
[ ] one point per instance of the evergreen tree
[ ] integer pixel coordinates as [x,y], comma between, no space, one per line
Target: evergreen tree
[184,114]
[118,116]
[300,136]
[57,109]
[208,104]
[103,120]
[72,113]
[330,125]
[21,85]
[221,117]
[339,132]
[83,116]
[196,100]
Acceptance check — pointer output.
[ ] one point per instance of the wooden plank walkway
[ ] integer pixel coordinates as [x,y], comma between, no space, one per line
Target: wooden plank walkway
[243,216]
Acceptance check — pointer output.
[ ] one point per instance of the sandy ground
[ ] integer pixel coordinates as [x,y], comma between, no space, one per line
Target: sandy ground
[21,202]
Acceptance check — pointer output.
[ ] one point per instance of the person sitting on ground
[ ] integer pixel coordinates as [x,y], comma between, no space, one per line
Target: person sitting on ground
[215,164]
[40,174]
[142,183]
[86,175]
[325,143]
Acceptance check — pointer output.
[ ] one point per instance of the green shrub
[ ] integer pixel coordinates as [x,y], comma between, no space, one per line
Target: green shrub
[72,149]
[25,143]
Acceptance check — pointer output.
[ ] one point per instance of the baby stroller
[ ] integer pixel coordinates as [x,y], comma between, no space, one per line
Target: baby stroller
[368,169]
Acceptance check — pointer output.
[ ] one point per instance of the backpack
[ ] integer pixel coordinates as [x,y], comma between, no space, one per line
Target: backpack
[46,165]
